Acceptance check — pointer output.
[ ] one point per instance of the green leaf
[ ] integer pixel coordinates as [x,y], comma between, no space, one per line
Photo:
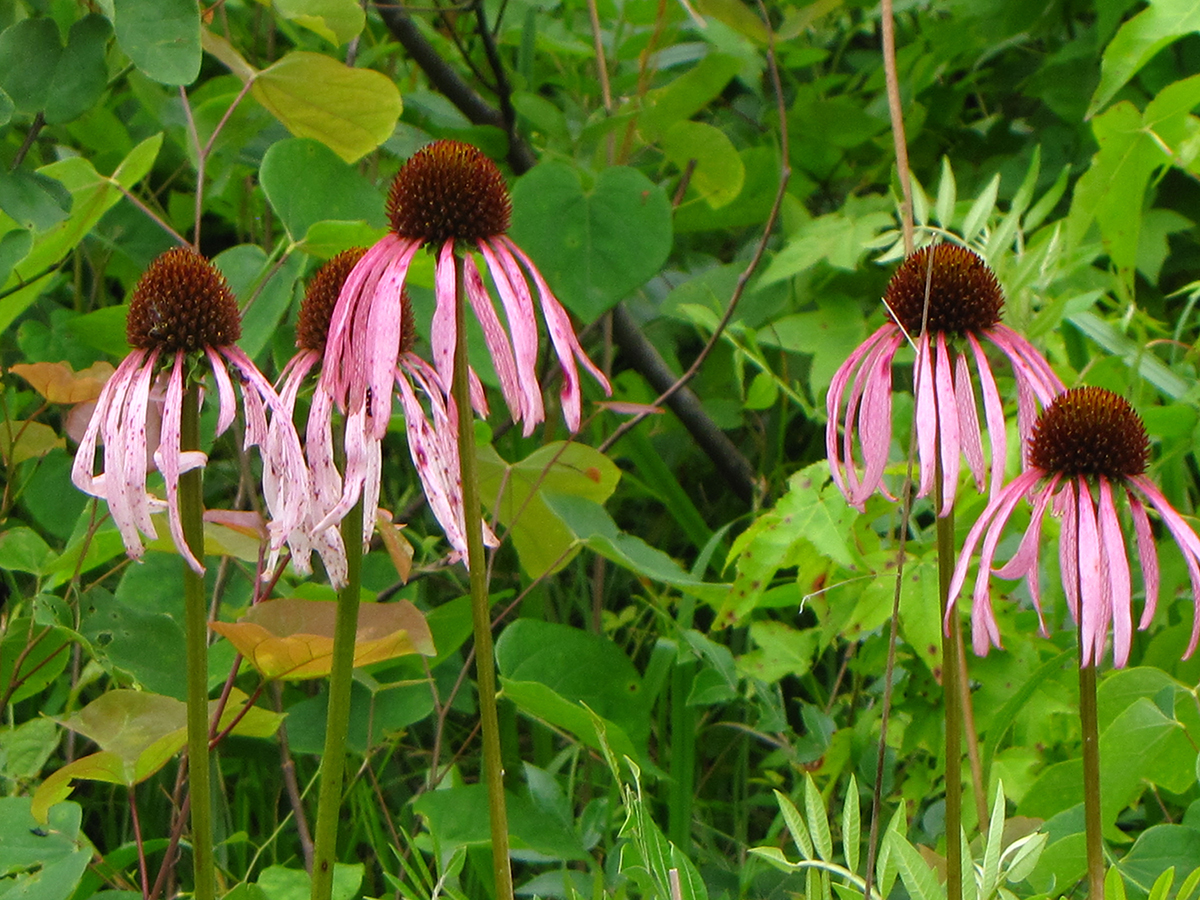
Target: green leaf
[830,334]
[92,195]
[837,239]
[718,174]
[81,75]
[914,871]
[161,37]
[517,494]
[1143,746]
[1157,849]
[33,200]
[280,883]
[338,21]
[1162,885]
[263,304]
[103,329]
[580,667]
[39,863]
[782,651]
[947,196]
[687,94]
[7,107]
[795,826]
[307,183]
[981,209]
[350,111]
[814,806]
[23,550]
[593,526]
[29,52]
[32,656]
[851,825]
[593,245]
[1138,40]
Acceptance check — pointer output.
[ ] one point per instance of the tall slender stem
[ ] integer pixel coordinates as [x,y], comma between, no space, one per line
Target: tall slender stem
[191,514]
[952,701]
[337,717]
[1091,779]
[485,667]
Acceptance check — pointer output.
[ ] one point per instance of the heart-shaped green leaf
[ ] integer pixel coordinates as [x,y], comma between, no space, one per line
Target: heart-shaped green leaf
[594,244]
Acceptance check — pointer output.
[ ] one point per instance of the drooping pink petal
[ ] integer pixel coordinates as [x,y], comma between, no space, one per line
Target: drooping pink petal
[228,405]
[833,405]
[947,420]
[1093,608]
[523,331]
[925,415]
[135,438]
[168,460]
[1068,546]
[381,341]
[443,331]
[983,620]
[1029,366]
[874,421]
[1147,556]
[84,466]
[994,412]
[970,439]
[500,349]
[1112,542]
[562,336]
[994,515]
[1188,543]
[1024,563]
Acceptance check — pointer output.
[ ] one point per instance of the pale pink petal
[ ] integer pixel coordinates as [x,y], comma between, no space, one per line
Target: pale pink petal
[875,421]
[994,412]
[1093,608]
[228,406]
[1188,543]
[970,439]
[562,335]
[381,340]
[925,415]
[443,331]
[1068,547]
[522,327]
[168,460]
[501,351]
[1029,366]
[1112,543]
[1147,556]
[1024,563]
[947,420]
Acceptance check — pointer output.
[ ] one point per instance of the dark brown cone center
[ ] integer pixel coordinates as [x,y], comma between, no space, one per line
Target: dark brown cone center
[964,295]
[316,310]
[449,191]
[182,303]
[1090,431]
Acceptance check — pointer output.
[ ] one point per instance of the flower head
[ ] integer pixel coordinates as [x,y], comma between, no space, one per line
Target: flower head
[449,197]
[432,444]
[180,308]
[964,307]
[1087,446]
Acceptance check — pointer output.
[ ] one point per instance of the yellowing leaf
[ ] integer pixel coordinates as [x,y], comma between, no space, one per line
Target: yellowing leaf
[292,639]
[20,440]
[398,548]
[138,732]
[351,111]
[338,21]
[59,383]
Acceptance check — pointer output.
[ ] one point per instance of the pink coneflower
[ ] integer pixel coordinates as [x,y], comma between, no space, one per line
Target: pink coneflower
[449,194]
[965,303]
[181,311]
[431,443]
[1087,445]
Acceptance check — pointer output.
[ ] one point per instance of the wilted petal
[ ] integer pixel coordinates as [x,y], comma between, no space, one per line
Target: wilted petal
[522,326]
[501,352]
[168,460]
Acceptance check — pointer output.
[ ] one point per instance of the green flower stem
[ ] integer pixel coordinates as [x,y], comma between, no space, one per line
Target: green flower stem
[1091,779]
[195,600]
[485,666]
[337,718]
[952,700]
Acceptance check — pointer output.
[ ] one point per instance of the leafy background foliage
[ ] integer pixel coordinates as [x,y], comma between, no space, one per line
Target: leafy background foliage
[696,598]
